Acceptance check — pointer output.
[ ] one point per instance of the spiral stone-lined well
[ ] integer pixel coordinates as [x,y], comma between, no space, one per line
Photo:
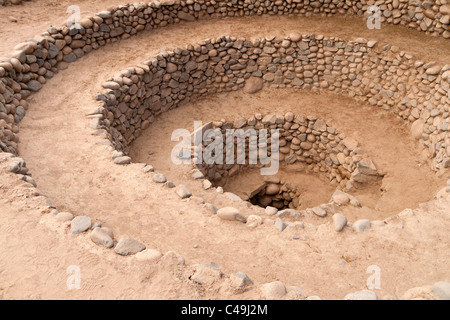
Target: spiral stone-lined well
[422,101]
[37,60]
[384,77]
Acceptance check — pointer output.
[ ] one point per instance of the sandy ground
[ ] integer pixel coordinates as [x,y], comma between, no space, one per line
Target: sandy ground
[407,182]
[411,250]
[78,176]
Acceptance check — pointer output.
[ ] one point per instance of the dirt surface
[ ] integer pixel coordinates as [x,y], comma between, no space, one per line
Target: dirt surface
[78,176]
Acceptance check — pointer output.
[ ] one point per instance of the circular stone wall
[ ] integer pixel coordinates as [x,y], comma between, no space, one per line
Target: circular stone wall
[383,77]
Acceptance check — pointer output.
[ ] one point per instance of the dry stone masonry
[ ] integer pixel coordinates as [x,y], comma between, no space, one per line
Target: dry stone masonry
[302,139]
[276,194]
[384,77]
[426,16]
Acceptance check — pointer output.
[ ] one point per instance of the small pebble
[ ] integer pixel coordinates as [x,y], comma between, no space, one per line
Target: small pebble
[170,184]
[361,225]
[339,222]
[148,168]
[206,184]
[96,225]
[80,224]
[280,224]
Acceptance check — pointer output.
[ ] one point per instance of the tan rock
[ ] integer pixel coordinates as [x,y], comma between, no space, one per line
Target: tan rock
[253,85]
[253,221]
[231,214]
[273,290]
[148,255]
[350,143]
[206,274]
[272,189]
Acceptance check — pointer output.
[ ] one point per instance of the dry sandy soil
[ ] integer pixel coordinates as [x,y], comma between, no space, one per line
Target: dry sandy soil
[76,173]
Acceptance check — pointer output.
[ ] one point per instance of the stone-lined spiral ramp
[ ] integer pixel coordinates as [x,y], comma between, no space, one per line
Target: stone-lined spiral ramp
[112,171]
